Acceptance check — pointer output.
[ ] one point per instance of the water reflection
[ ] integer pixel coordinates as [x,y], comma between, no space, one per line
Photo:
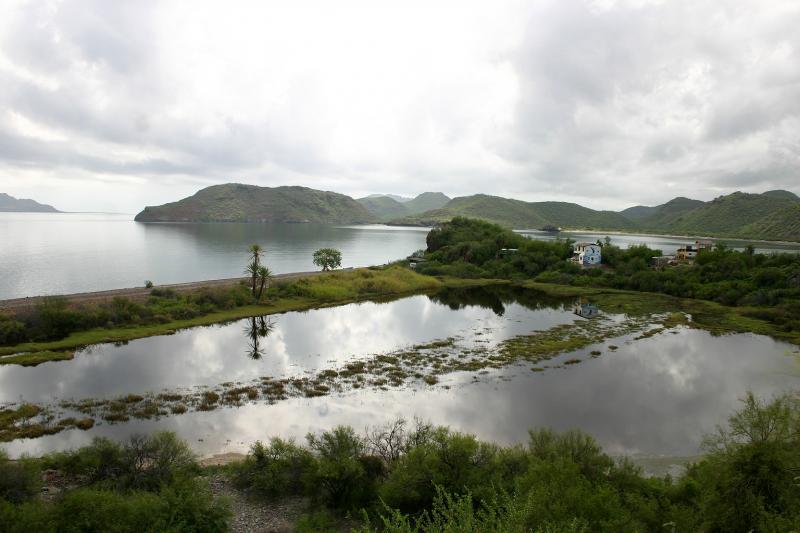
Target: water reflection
[297,343]
[258,327]
[496,297]
[655,395]
[586,309]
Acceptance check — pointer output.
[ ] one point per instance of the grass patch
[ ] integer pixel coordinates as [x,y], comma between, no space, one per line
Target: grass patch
[36,358]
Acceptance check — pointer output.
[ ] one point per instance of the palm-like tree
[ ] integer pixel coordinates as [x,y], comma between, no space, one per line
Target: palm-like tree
[256,251]
[264,277]
[259,327]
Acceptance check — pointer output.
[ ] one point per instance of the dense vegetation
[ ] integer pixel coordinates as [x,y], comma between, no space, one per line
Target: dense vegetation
[145,484]
[55,318]
[235,202]
[433,479]
[768,283]
[419,478]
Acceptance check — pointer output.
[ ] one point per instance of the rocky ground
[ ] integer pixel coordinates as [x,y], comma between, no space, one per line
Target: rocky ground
[256,516]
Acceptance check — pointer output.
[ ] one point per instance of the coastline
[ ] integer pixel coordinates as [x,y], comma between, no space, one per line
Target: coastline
[17,305]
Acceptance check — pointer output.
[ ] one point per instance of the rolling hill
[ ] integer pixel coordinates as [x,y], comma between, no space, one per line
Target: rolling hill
[387,207]
[235,202]
[660,214]
[780,225]
[521,215]
[9,204]
[725,216]
[383,207]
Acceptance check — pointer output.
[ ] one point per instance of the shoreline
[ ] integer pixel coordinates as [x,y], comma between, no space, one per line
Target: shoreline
[142,293]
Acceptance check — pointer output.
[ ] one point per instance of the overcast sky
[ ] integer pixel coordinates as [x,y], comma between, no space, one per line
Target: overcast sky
[113,105]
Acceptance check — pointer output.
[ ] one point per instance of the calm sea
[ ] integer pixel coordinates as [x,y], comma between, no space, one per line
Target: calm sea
[60,253]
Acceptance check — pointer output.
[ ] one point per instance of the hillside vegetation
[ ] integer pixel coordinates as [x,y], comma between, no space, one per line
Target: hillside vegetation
[235,202]
[771,215]
[521,215]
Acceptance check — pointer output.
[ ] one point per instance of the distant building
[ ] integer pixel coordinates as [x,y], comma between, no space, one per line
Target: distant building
[690,251]
[587,254]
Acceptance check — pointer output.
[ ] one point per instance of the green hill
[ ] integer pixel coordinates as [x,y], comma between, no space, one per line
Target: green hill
[725,215]
[665,215]
[784,195]
[425,202]
[518,214]
[660,214]
[780,225]
[9,204]
[383,207]
[235,202]
[387,207]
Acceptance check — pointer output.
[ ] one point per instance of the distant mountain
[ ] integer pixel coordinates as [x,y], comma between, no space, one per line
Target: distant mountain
[386,207]
[383,207]
[23,205]
[727,215]
[426,201]
[764,216]
[234,202]
[396,197]
[522,215]
[648,216]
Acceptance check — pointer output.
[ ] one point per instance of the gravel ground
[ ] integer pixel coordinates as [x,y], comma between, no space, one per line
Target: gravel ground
[251,515]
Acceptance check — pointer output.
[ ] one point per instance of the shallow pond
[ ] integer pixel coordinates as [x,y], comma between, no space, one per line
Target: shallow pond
[653,395]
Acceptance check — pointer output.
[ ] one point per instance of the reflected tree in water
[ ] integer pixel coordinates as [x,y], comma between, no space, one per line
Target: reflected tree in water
[260,327]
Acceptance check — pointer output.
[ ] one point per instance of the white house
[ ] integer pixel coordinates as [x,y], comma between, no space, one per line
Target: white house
[587,253]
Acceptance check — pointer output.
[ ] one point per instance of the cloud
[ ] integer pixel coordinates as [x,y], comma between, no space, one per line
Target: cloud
[607,103]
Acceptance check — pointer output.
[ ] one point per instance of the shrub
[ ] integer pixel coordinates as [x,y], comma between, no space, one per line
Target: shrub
[345,476]
[148,284]
[280,469]
[53,319]
[11,331]
[19,481]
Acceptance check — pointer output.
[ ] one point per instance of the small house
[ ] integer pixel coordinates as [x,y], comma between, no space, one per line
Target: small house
[690,251]
[587,254]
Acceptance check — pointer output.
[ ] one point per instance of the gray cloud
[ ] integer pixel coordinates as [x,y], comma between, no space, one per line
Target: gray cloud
[604,103]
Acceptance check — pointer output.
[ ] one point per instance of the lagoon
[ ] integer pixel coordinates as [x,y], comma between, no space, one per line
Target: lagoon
[654,395]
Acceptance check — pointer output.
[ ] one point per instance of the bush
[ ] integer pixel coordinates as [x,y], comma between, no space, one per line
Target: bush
[19,481]
[11,331]
[280,469]
[345,476]
[53,319]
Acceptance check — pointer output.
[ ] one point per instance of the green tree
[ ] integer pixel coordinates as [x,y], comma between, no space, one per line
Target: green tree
[328,258]
[264,277]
